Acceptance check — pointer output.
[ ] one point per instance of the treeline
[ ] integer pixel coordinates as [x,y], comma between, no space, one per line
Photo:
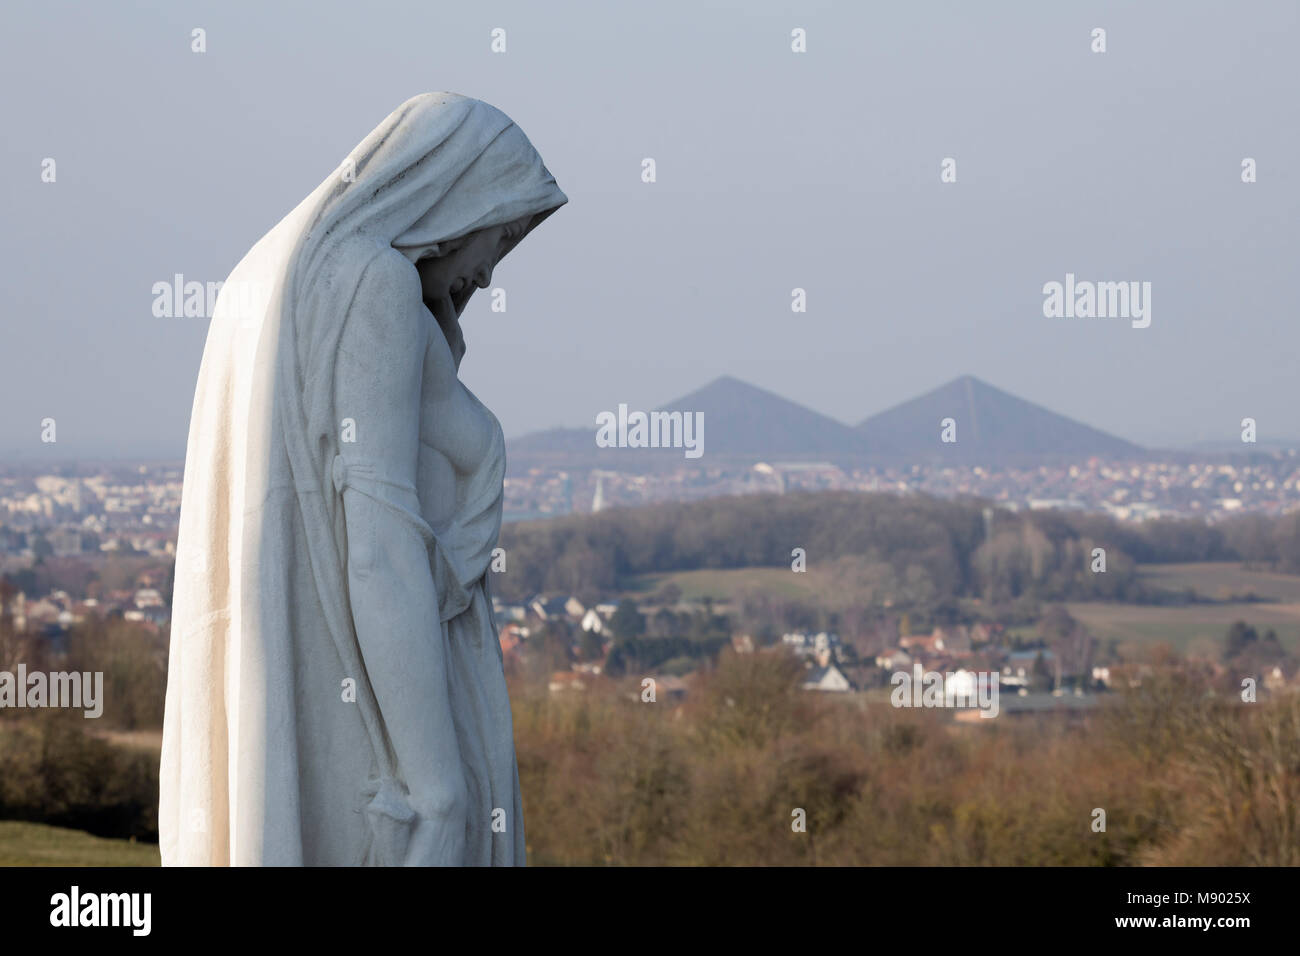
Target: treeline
[924,544]
[55,765]
[52,771]
[593,553]
[131,656]
[1186,778]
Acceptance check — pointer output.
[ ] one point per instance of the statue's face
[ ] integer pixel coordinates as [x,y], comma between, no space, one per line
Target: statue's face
[448,280]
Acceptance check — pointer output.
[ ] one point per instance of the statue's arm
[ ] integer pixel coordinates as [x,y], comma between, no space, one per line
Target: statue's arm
[391,587]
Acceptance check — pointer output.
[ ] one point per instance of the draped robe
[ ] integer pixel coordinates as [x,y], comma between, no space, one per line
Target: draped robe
[275,746]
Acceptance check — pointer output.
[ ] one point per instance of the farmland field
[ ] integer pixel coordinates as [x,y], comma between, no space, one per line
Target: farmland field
[724,584]
[1192,627]
[1195,628]
[1201,627]
[1220,581]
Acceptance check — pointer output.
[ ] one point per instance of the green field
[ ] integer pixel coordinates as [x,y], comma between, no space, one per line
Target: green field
[724,585]
[1221,581]
[1201,627]
[35,844]
[1198,628]
[1192,627]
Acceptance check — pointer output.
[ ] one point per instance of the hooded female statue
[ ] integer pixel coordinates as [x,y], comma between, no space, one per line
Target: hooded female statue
[335,691]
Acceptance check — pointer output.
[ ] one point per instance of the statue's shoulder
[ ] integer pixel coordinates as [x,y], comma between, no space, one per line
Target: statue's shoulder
[387,298]
[383,266]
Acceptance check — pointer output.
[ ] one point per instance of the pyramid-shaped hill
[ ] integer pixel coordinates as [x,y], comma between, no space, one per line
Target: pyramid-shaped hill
[740,420]
[993,427]
[747,421]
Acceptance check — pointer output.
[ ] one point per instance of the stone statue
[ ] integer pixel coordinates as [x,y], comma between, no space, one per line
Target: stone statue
[335,691]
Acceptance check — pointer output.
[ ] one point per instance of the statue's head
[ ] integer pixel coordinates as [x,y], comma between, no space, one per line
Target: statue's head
[465,186]
[451,272]
[448,181]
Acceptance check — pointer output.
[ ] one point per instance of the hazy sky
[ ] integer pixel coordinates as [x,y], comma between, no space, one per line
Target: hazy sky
[775,170]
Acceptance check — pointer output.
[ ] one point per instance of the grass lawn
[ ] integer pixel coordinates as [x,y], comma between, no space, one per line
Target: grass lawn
[35,844]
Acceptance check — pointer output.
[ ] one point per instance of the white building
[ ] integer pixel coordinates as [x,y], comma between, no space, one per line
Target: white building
[829,679]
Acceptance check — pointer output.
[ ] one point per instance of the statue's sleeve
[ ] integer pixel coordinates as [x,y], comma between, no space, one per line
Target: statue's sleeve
[377,397]
[392,594]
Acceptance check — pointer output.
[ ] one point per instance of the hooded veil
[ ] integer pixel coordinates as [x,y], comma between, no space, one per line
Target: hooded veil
[262,763]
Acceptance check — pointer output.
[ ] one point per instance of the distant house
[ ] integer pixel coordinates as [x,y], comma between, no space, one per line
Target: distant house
[147,597]
[952,640]
[1018,670]
[39,613]
[1275,679]
[555,608]
[545,607]
[821,647]
[742,643]
[894,658]
[922,648]
[829,679]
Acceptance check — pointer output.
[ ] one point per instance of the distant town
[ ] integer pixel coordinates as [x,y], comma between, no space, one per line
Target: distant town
[739,596]
[1129,491]
[134,508]
[964,438]
[98,540]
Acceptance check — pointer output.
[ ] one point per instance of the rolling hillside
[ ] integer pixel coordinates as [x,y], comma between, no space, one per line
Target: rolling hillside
[747,422]
[740,420]
[992,426]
